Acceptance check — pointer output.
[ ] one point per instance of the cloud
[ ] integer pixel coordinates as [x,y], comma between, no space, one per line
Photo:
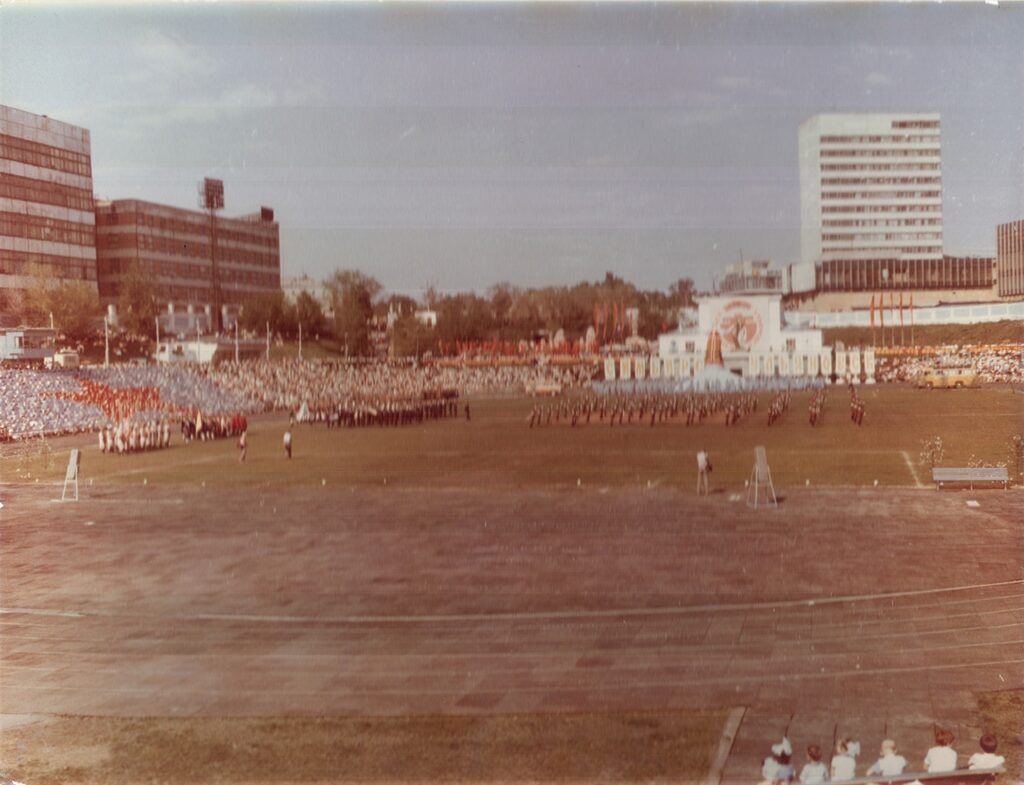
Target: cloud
[157,55]
[875,78]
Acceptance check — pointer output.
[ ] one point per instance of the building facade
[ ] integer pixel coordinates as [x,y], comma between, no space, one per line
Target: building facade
[871,201]
[175,248]
[1010,259]
[47,225]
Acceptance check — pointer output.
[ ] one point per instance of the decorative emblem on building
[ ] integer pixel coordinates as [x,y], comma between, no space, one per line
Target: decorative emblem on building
[740,326]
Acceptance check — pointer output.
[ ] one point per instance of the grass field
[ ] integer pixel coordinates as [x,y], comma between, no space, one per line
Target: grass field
[497,447]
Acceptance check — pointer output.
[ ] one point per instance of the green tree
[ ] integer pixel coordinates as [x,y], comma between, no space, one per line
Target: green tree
[309,314]
[137,305]
[352,316]
[410,338]
[75,306]
[266,308]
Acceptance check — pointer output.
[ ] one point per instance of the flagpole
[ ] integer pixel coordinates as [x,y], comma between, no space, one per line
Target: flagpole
[157,320]
[236,339]
[106,342]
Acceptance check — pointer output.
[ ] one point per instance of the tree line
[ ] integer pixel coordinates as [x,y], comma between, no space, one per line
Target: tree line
[361,305]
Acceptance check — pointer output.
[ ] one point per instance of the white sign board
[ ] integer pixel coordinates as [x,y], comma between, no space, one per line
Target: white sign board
[640,365]
[609,368]
[71,476]
[655,367]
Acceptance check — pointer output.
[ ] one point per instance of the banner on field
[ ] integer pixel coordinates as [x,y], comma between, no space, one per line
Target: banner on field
[655,367]
[840,364]
[640,367]
[812,365]
[609,368]
[853,362]
[826,362]
[783,365]
[625,368]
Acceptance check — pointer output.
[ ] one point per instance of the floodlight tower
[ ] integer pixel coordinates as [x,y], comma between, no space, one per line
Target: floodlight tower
[211,198]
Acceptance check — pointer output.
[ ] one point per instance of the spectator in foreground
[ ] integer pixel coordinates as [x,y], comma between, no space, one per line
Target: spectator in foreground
[814,771]
[987,758]
[941,757]
[889,764]
[844,762]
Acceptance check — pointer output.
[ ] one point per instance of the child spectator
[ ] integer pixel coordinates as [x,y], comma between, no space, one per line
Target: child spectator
[889,764]
[814,771]
[941,757]
[987,758]
[776,766]
[843,763]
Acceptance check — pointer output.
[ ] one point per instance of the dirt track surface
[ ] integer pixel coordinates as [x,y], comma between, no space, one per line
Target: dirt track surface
[168,602]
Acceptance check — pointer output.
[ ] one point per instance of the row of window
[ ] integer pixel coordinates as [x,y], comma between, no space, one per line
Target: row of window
[53,230]
[915,123]
[164,270]
[881,194]
[198,226]
[39,192]
[885,138]
[185,250]
[881,180]
[43,155]
[46,265]
[901,167]
[883,208]
[932,152]
[888,273]
[852,237]
[904,250]
[883,222]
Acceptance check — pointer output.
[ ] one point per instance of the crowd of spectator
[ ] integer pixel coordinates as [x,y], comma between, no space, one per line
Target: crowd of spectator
[999,363]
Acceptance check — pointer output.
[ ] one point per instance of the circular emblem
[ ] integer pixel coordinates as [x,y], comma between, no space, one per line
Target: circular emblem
[740,326]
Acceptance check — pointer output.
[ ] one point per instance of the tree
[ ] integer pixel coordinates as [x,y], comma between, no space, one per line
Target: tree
[681,293]
[352,320]
[263,308]
[137,305]
[309,314]
[410,338]
[353,293]
[75,306]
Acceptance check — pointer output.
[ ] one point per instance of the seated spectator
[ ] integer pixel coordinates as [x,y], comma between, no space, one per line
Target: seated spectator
[844,761]
[814,771]
[987,758]
[941,757]
[889,764]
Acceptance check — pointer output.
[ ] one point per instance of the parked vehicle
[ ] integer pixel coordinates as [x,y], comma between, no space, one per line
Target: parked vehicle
[947,378]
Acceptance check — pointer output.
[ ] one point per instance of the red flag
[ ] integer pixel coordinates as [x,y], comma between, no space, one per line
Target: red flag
[881,313]
[901,309]
[911,307]
[597,316]
[872,308]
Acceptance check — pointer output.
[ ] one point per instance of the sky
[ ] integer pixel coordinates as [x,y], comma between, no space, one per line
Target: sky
[462,145]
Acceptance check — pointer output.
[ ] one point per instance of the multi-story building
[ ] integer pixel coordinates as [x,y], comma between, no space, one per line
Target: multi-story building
[176,249]
[47,225]
[1010,258]
[871,202]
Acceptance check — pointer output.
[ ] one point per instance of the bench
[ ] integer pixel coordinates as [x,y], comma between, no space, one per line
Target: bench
[971,476]
[957,777]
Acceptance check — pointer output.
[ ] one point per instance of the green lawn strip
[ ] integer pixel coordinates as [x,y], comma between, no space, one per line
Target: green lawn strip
[1002,713]
[497,446]
[573,747]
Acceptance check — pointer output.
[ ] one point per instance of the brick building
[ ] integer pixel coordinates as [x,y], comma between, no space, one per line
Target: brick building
[47,225]
[172,246]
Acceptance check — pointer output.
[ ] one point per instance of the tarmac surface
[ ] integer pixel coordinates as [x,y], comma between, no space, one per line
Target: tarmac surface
[853,612]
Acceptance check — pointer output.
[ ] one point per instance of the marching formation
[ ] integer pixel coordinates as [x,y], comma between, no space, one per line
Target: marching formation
[778,406]
[816,406]
[642,408]
[129,437]
[856,407]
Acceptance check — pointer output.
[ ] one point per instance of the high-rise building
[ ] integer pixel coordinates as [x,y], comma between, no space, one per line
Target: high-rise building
[175,248]
[871,202]
[1010,258]
[47,225]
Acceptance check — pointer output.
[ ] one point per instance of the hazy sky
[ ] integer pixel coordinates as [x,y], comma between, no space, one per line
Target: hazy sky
[462,145]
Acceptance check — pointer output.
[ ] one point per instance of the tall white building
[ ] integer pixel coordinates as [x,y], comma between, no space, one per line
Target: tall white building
[871,202]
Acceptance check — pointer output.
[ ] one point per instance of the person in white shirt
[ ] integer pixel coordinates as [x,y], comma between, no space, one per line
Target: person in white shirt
[288,444]
[941,757]
[703,469]
[987,758]
[814,771]
[889,764]
[844,764]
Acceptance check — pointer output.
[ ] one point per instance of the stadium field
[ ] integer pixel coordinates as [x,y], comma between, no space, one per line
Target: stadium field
[481,618]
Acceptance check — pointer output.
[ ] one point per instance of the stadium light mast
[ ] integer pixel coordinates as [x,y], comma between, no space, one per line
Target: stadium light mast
[211,199]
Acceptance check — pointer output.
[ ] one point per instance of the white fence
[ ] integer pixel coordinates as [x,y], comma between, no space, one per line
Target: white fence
[940,314]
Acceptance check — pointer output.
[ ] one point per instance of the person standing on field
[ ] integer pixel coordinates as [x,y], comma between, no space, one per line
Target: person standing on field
[243,446]
[703,470]
[288,444]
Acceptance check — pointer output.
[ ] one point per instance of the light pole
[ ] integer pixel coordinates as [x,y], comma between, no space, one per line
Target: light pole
[211,197]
